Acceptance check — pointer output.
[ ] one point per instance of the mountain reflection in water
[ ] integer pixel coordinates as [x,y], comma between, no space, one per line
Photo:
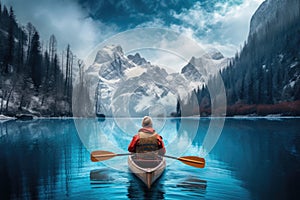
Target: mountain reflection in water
[253,159]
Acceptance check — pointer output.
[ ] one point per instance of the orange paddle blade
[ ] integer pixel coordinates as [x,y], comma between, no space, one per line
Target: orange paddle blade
[104,155]
[193,161]
[101,155]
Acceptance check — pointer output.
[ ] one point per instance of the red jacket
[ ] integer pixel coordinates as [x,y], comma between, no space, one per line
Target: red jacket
[135,139]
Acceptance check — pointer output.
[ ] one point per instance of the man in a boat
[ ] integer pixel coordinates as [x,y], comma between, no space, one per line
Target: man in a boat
[147,143]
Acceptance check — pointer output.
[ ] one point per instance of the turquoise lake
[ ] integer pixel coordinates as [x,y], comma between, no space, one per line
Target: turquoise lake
[253,158]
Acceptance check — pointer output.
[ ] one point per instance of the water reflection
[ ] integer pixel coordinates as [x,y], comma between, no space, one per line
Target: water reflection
[253,159]
[261,153]
[101,175]
[33,157]
[110,135]
[138,190]
[193,184]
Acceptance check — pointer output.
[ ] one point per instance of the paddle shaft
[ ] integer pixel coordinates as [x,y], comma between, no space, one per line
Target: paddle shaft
[109,155]
[194,161]
[127,154]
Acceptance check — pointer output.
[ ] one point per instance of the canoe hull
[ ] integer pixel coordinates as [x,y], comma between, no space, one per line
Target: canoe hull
[146,174]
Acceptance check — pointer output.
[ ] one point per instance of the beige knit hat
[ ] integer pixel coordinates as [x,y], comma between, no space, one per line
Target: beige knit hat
[147,122]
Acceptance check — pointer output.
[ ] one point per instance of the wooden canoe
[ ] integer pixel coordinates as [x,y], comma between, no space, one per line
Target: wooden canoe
[148,171]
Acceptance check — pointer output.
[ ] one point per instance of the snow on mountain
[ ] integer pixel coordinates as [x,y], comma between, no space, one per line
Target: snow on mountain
[123,86]
[199,69]
[110,63]
[107,53]
[134,72]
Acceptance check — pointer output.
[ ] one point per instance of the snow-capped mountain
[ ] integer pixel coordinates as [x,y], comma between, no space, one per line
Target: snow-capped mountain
[110,63]
[199,69]
[121,85]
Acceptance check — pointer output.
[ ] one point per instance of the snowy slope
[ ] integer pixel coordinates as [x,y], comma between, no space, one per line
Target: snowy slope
[123,86]
[200,69]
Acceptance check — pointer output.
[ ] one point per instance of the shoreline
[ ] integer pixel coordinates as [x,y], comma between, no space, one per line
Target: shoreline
[5,118]
[237,111]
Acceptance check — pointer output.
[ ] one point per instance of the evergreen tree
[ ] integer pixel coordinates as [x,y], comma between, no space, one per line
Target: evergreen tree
[30,32]
[20,57]
[35,60]
[26,71]
[178,107]
[9,58]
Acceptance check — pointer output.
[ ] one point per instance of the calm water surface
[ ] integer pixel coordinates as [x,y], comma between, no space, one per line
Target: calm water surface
[48,159]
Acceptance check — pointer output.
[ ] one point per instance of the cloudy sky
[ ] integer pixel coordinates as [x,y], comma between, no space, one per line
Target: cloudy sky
[222,24]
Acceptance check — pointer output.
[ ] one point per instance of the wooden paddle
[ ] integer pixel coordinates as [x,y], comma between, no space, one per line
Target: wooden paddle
[188,160]
[104,155]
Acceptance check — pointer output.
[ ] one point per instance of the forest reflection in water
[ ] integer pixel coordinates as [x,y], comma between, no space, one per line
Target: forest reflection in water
[253,159]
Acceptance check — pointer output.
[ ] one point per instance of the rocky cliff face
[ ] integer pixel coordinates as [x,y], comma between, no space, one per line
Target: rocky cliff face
[267,70]
[271,10]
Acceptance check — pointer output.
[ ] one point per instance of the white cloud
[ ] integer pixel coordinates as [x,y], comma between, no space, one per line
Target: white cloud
[225,28]
[65,19]
[164,47]
[156,22]
[196,16]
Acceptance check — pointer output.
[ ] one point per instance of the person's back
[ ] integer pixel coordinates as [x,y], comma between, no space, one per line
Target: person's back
[147,143]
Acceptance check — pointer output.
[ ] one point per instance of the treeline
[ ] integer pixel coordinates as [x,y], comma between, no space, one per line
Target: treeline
[267,68]
[265,72]
[34,77]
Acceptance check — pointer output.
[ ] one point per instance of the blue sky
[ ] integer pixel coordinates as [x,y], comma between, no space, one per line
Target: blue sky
[222,24]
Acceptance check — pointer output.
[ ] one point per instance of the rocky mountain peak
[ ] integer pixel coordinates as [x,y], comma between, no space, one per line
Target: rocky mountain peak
[214,54]
[137,59]
[204,66]
[108,53]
